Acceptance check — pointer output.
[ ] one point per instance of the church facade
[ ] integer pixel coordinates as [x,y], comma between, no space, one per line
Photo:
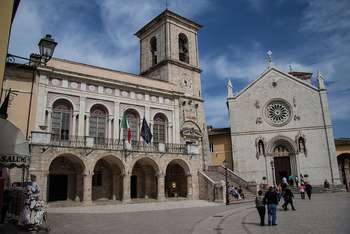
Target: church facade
[80,150]
[281,126]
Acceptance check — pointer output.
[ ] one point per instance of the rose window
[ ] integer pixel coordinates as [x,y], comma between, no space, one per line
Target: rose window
[278,112]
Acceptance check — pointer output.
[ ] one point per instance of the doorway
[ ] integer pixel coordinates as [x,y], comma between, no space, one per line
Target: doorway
[133,187]
[58,187]
[282,168]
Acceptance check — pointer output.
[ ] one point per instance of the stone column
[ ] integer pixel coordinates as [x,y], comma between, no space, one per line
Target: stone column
[126,188]
[116,120]
[109,121]
[74,124]
[81,116]
[41,101]
[87,188]
[44,186]
[87,126]
[78,187]
[161,185]
[189,187]
[49,121]
[114,186]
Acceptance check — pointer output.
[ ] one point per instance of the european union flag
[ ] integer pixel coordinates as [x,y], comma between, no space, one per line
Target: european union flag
[146,131]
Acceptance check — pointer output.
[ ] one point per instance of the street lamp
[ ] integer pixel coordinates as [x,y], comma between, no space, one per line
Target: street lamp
[273,172]
[46,46]
[226,182]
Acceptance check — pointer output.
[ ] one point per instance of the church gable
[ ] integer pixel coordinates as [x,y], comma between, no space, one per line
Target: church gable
[296,101]
[272,75]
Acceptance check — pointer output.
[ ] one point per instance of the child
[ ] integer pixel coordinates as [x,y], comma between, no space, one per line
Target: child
[302,191]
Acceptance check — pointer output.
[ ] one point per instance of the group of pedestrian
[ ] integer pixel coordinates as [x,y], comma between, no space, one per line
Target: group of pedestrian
[235,192]
[273,196]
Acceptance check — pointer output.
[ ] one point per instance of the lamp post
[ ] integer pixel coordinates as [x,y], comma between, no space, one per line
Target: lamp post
[273,172]
[226,183]
[46,46]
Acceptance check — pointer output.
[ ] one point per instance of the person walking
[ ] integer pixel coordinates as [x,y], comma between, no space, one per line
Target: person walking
[271,199]
[302,191]
[260,206]
[308,189]
[288,199]
[296,181]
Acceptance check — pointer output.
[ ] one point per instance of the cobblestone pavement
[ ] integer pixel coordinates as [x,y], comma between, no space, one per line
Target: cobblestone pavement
[325,213]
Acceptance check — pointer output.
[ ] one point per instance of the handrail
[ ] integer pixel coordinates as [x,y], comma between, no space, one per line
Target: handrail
[57,140]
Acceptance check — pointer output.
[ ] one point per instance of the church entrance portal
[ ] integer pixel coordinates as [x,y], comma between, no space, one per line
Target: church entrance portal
[284,160]
[282,168]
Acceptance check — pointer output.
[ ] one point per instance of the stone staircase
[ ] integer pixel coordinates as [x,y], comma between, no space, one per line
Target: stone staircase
[321,189]
[217,175]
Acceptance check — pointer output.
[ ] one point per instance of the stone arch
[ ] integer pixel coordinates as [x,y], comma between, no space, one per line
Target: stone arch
[107,179]
[68,99]
[343,160]
[65,178]
[176,179]
[286,141]
[144,179]
[164,113]
[134,109]
[283,152]
[93,103]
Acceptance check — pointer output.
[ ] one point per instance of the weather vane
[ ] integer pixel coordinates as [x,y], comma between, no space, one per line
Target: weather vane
[166,4]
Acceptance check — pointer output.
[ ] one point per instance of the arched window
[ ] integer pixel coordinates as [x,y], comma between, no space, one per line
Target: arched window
[98,122]
[60,122]
[159,128]
[153,44]
[183,48]
[133,120]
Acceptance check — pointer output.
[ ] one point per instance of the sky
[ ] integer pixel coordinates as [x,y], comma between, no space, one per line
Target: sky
[306,35]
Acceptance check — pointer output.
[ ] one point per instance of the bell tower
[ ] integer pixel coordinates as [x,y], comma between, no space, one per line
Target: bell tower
[169,51]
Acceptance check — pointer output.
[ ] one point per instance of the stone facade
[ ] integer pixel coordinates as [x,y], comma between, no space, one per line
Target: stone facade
[281,126]
[79,150]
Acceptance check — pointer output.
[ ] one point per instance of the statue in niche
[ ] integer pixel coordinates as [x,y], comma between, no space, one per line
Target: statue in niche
[301,145]
[260,151]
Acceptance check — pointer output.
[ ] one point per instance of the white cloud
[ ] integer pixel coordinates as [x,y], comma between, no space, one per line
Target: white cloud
[111,45]
[216,111]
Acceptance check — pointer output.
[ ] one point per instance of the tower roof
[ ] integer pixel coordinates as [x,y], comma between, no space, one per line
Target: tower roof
[167,14]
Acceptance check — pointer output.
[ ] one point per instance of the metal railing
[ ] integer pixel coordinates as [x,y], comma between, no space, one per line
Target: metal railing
[115,144]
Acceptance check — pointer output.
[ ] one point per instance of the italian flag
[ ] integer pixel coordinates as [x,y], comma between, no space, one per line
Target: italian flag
[125,125]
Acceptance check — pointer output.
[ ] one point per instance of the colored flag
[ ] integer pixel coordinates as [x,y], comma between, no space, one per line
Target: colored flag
[146,131]
[125,125]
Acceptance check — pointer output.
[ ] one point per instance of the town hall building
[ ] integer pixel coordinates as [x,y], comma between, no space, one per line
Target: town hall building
[80,152]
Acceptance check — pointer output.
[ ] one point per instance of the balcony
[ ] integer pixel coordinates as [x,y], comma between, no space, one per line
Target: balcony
[68,141]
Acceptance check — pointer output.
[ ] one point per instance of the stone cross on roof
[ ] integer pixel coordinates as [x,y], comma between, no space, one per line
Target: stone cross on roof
[269,58]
